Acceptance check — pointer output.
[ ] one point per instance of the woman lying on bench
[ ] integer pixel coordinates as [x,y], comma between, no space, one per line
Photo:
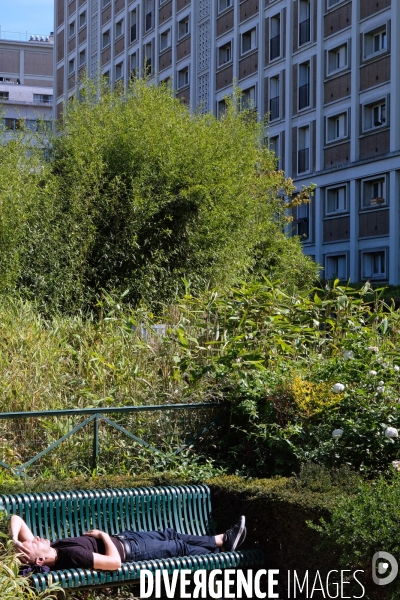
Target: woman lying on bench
[97,550]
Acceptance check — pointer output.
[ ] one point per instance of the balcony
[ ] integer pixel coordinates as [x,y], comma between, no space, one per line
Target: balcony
[304,32]
[275,47]
[274,108]
[304,96]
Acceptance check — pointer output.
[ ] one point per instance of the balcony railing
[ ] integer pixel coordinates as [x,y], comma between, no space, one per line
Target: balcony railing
[304,34]
[304,96]
[275,47]
[274,108]
[303,160]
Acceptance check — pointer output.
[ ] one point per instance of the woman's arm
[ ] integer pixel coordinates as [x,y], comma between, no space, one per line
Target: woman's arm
[111,560]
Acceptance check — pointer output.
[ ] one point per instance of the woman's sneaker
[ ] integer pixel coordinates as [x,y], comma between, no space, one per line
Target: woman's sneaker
[235,536]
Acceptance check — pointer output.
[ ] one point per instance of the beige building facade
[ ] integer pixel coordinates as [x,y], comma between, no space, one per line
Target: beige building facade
[26,81]
[324,71]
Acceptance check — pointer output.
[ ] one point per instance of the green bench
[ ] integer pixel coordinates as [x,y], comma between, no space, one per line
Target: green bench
[58,515]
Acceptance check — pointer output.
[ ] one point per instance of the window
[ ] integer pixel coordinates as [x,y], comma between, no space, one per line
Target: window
[275,41]
[82,19]
[165,39]
[148,59]
[249,40]
[375,42]
[374,192]
[333,2]
[71,66]
[304,85]
[221,107]
[105,3]
[303,152]
[119,28]
[106,39]
[274,98]
[337,127]
[374,115]
[82,57]
[224,4]
[183,27]
[249,99]
[148,22]
[336,267]
[373,264]
[71,29]
[336,200]
[133,24]
[134,65]
[225,54]
[183,77]
[43,98]
[301,221]
[337,59]
[4,95]
[119,71]
[304,22]
[106,76]
[273,145]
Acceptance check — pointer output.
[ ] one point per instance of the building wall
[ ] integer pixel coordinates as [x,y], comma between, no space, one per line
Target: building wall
[326,73]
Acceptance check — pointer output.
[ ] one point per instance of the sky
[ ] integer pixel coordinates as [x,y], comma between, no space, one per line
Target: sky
[21,16]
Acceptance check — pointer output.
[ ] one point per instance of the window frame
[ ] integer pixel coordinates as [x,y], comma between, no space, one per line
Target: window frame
[274,80]
[82,63]
[300,43]
[336,255]
[252,46]
[339,211]
[184,20]
[73,25]
[119,24]
[82,14]
[370,107]
[302,130]
[375,202]
[117,66]
[337,138]
[330,72]
[167,31]
[221,10]
[221,48]
[183,71]
[369,37]
[380,276]
[278,18]
[71,61]
[104,33]
[246,98]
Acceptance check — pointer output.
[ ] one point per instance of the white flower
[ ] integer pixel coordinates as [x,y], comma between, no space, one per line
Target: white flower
[373,373]
[337,388]
[337,433]
[396,368]
[373,348]
[396,464]
[391,432]
[381,383]
[380,389]
[348,355]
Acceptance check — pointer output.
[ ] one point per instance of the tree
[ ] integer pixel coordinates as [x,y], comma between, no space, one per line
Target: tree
[141,194]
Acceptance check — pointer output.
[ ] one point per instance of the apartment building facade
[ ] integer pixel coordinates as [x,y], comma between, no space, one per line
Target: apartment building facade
[26,82]
[325,73]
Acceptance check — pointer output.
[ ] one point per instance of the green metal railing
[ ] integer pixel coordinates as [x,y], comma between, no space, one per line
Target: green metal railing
[135,438]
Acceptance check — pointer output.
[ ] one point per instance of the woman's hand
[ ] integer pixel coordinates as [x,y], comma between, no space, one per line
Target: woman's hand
[96,533]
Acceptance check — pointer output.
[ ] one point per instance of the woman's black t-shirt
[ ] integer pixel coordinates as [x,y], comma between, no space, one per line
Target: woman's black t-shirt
[77,552]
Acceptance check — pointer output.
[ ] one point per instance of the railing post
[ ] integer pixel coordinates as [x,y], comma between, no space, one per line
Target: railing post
[95,457]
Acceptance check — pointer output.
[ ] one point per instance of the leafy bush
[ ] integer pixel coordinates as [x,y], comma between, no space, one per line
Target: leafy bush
[139,193]
[367,522]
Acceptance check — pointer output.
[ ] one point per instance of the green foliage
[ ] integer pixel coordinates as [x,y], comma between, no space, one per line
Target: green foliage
[138,194]
[277,356]
[366,522]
